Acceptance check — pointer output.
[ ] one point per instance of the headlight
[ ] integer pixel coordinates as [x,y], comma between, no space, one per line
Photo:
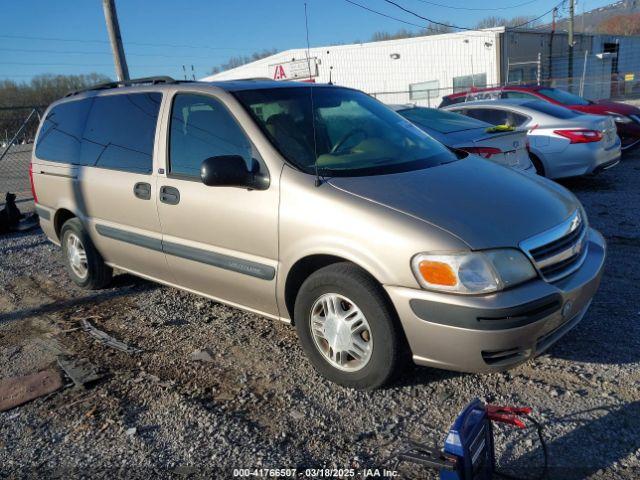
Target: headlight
[472,272]
[619,118]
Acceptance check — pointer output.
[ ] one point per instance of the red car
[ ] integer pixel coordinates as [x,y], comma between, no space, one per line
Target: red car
[627,117]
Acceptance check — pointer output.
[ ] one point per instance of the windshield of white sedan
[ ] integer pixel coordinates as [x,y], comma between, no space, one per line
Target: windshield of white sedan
[352,134]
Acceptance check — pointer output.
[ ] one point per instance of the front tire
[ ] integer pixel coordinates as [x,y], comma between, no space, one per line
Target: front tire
[84,263]
[347,327]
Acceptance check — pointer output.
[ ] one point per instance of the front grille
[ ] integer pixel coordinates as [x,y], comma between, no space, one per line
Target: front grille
[559,251]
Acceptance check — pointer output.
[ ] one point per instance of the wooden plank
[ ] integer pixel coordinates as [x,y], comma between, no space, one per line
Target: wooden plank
[18,390]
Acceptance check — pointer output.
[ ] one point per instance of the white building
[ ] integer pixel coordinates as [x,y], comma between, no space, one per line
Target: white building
[423,69]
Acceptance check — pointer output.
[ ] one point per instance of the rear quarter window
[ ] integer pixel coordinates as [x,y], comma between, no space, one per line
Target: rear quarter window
[112,131]
[60,136]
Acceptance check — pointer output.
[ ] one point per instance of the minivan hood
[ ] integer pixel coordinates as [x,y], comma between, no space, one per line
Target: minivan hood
[484,204]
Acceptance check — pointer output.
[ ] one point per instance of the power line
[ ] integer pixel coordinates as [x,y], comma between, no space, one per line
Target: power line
[383,14]
[537,18]
[391,2]
[81,52]
[425,18]
[478,9]
[49,39]
[80,65]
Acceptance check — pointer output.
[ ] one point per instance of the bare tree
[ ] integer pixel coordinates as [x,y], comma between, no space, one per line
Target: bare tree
[431,29]
[621,25]
[39,92]
[494,21]
[240,60]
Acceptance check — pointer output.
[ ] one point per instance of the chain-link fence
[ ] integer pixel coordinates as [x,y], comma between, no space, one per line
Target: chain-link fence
[19,127]
[611,74]
[14,176]
[615,88]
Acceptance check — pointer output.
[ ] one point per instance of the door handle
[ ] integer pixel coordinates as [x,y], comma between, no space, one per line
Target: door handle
[142,190]
[169,195]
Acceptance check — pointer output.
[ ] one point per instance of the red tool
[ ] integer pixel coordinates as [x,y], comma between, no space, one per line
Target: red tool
[498,413]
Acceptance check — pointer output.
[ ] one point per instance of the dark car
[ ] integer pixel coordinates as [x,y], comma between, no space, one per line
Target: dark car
[627,117]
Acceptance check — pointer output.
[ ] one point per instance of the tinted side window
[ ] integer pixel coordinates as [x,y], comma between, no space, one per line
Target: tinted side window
[515,94]
[553,110]
[61,132]
[497,117]
[120,132]
[201,127]
[494,117]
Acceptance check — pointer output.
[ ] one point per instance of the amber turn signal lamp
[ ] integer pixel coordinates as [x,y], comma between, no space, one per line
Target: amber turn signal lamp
[437,273]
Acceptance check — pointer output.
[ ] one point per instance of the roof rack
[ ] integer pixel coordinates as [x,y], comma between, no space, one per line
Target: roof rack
[125,83]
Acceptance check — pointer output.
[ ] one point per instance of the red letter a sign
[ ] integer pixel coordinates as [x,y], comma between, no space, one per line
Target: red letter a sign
[279,73]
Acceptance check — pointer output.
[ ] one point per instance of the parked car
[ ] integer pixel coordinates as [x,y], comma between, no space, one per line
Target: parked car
[562,142]
[626,117]
[473,136]
[316,205]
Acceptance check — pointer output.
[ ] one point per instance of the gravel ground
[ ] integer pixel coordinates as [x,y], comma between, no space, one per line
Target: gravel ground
[258,403]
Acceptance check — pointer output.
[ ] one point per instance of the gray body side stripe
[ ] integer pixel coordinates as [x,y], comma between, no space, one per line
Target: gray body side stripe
[247,267]
[62,175]
[258,270]
[43,213]
[134,238]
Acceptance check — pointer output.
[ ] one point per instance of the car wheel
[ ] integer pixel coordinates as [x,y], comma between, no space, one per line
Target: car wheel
[85,265]
[347,327]
[537,163]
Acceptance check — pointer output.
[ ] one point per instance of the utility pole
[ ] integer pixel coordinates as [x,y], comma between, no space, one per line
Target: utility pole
[571,12]
[553,31]
[111,17]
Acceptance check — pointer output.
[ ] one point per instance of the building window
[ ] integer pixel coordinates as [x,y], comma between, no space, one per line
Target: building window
[424,90]
[465,82]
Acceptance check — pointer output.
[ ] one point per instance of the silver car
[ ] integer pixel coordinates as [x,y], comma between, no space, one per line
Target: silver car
[562,142]
[319,206]
[473,136]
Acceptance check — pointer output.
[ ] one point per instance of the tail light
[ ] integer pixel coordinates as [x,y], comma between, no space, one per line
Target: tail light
[484,152]
[33,187]
[580,136]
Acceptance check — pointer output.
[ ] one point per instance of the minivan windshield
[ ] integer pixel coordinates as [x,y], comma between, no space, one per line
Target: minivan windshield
[352,134]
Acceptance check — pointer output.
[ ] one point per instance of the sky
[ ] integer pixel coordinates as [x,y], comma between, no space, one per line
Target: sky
[160,36]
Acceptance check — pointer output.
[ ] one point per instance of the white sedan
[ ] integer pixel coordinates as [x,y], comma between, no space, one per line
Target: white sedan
[562,142]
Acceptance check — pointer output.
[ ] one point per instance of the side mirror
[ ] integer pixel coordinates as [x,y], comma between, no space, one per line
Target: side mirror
[232,171]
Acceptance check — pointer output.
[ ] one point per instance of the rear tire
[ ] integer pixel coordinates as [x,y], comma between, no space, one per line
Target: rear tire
[537,164]
[84,263]
[365,325]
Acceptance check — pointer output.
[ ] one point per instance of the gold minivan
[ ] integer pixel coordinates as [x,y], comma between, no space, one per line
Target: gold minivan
[319,206]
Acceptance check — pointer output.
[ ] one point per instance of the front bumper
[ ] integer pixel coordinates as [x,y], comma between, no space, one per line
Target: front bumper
[497,331]
[629,134]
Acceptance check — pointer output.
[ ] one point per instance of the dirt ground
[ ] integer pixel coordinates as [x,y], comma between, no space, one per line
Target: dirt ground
[253,401]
